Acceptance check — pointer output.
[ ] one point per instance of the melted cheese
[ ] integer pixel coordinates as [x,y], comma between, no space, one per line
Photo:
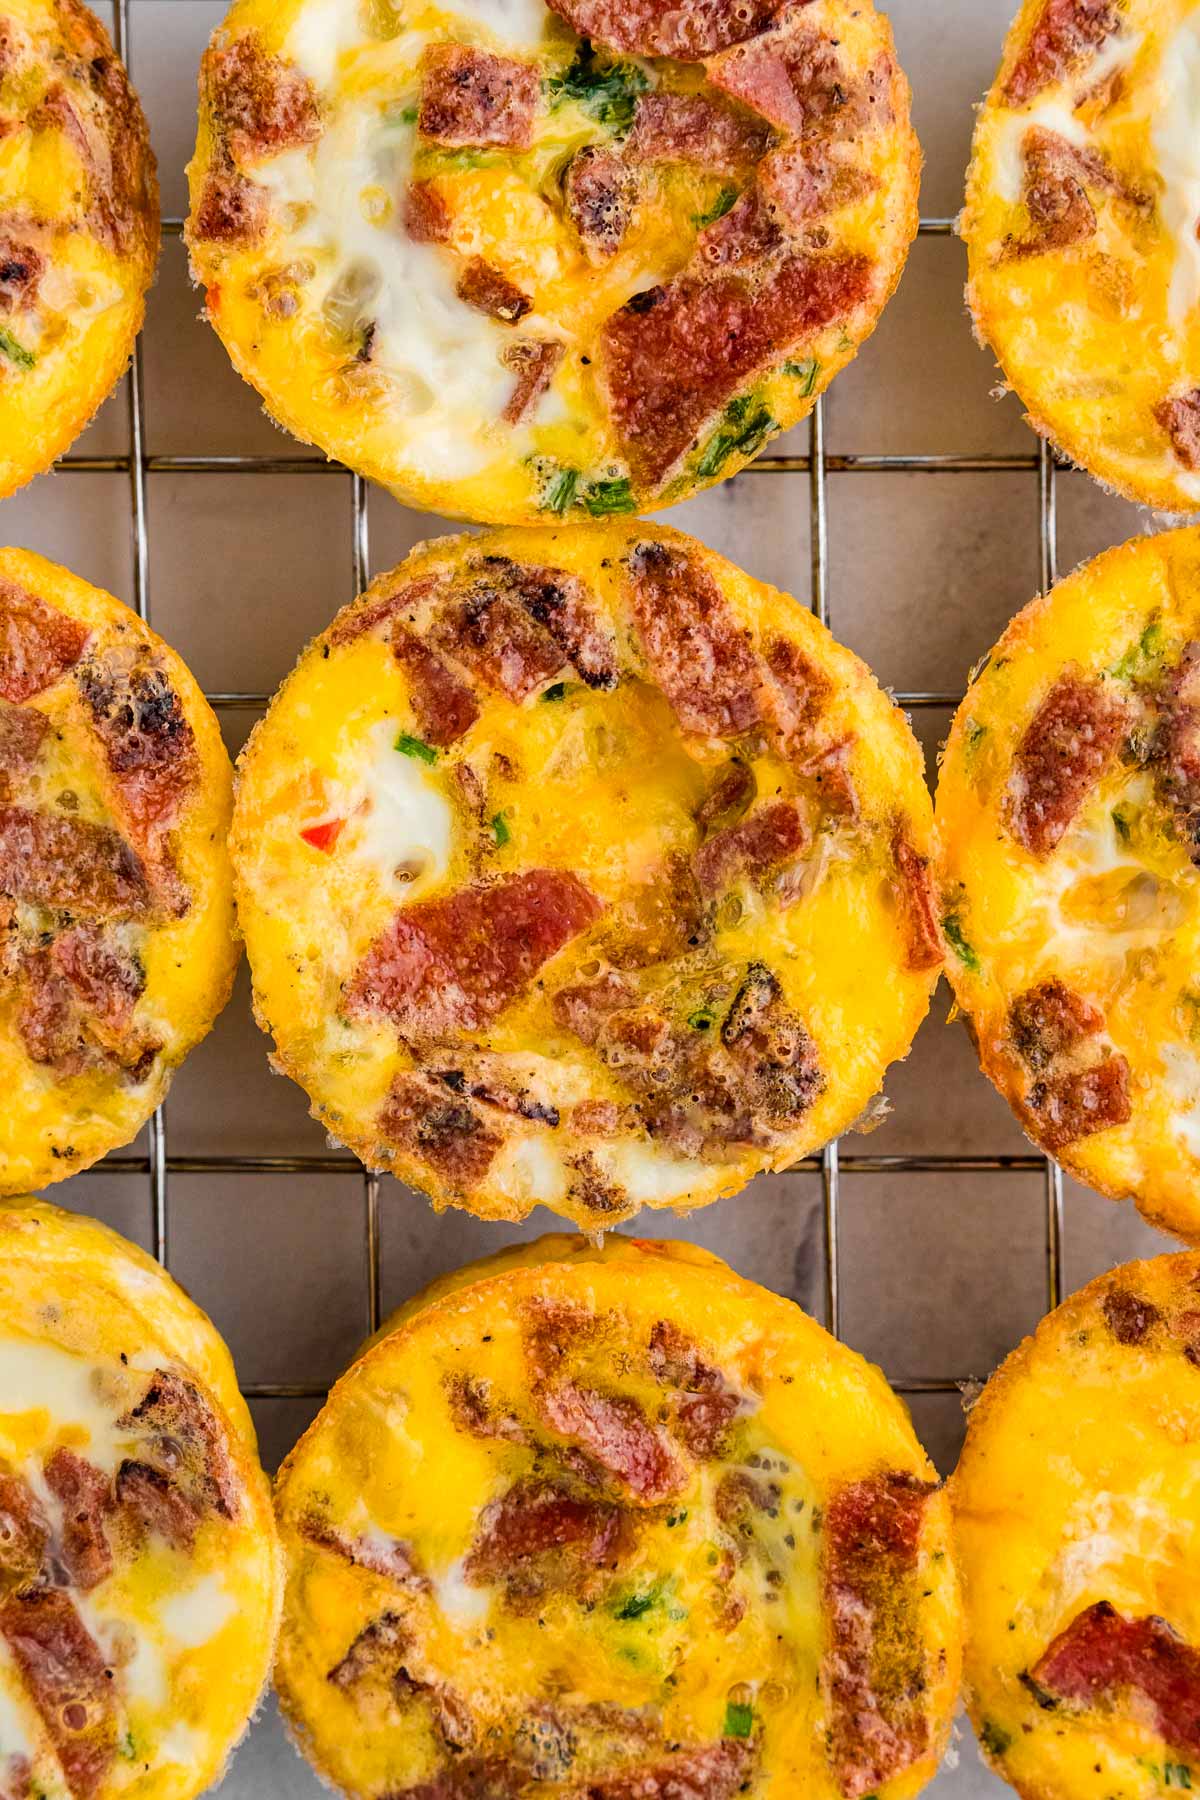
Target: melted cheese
[1177,149]
[401,824]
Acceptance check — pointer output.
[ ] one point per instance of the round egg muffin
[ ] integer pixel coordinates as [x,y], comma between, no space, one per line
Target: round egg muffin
[117,945]
[140,1572]
[577,868]
[78,228]
[1069,838]
[1081,226]
[617,1523]
[514,260]
[1077,1523]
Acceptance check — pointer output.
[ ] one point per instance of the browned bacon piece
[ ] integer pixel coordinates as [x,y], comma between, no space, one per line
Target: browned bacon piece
[86,1498]
[151,1505]
[470,98]
[533,362]
[694,128]
[1050,1020]
[24,1533]
[616,1434]
[712,1772]
[1065,749]
[469,1778]
[538,1536]
[729,799]
[357,620]
[561,605]
[686,29]
[148,743]
[1078,1104]
[917,905]
[64,1673]
[795,77]
[490,291]
[21,268]
[662,918]
[38,644]
[232,210]
[772,1060]
[260,104]
[702,1422]
[1129,1316]
[379,1646]
[1177,745]
[473,1411]
[697,652]
[1058,177]
[599,192]
[443,705]
[801,182]
[516,627]
[800,691]
[439,1128]
[769,837]
[77,1002]
[1143,1665]
[22,733]
[427,215]
[104,144]
[874,1672]
[673,355]
[1067,34]
[1179,417]
[745,238]
[391,1557]
[52,859]
[182,1435]
[454,964]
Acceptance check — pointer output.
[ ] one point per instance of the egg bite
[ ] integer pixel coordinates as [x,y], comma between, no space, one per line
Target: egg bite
[117,945]
[1068,826]
[615,1522]
[1080,226]
[140,1570]
[1077,1524]
[577,868]
[79,228]
[515,261]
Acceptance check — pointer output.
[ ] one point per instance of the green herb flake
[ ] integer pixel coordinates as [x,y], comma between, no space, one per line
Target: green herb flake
[556,692]
[127,1748]
[994,1738]
[500,831]
[608,91]
[674,1519]
[601,498]
[1177,1775]
[725,201]
[701,1021]
[413,746]
[739,1720]
[16,353]
[637,1604]
[1142,658]
[1123,821]
[957,940]
[558,495]
[805,373]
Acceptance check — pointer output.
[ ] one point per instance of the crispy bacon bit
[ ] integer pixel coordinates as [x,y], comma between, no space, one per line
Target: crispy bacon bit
[427,215]
[104,141]
[443,705]
[728,800]
[1049,1021]
[383,1555]
[702,1422]
[795,78]
[152,1505]
[260,104]
[233,210]
[675,1358]
[917,904]
[699,655]
[1129,1316]
[600,192]
[1058,175]
[694,128]
[1066,36]
[86,1498]
[616,1434]
[38,644]
[713,1772]
[454,964]
[443,1131]
[533,361]
[874,1671]
[67,1681]
[360,617]
[54,860]
[801,690]
[745,238]
[1065,750]
[469,1778]
[380,1645]
[185,1440]
[24,1533]
[1179,417]
[765,840]
[1177,745]
[490,291]
[659,920]
[1068,1107]
[517,625]
[470,98]
[78,997]
[689,31]
[1104,1658]
[801,182]
[672,356]
[538,1536]
[21,269]
[148,743]
[775,1059]
[740,1495]
[22,733]
[472,1411]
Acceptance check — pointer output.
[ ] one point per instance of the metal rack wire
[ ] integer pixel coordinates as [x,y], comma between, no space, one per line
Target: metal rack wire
[158,1164]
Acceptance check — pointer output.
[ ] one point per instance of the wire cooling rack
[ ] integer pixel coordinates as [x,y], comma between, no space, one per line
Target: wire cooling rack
[158,1165]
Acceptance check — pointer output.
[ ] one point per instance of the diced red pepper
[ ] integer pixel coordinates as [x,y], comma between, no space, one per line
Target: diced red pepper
[324,836]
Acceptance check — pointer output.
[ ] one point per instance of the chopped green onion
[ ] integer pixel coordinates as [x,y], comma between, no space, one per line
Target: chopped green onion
[958,942]
[739,1720]
[745,435]
[1140,659]
[555,692]
[609,91]
[604,497]
[637,1604]
[500,831]
[1122,818]
[994,1739]
[805,373]
[674,1519]
[701,1021]
[413,746]
[16,353]
[725,201]
[558,495]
